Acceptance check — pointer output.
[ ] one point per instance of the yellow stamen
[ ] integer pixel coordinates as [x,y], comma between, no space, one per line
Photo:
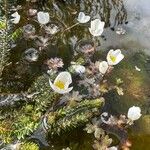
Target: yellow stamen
[113,58]
[60,84]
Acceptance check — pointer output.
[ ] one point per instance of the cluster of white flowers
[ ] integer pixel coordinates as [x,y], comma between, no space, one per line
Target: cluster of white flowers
[64,79]
[97,26]
[113,58]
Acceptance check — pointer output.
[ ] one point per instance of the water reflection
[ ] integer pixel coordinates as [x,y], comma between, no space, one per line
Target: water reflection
[112,12]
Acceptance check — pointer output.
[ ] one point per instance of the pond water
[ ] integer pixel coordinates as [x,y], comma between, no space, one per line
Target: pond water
[130,16]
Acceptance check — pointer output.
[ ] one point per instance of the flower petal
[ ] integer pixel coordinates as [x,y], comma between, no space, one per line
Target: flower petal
[103,66]
[116,55]
[134,113]
[43,17]
[60,91]
[119,58]
[97,27]
[64,77]
[82,18]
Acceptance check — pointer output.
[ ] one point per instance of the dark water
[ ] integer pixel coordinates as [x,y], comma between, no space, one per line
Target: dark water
[131,15]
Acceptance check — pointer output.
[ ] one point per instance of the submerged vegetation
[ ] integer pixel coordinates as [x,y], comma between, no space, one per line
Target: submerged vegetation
[56,80]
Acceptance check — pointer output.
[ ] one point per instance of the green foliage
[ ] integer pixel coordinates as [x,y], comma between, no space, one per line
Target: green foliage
[16,34]
[45,96]
[2,25]
[29,146]
[19,124]
[72,117]
[5,131]
[23,126]
[4,47]
[24,120]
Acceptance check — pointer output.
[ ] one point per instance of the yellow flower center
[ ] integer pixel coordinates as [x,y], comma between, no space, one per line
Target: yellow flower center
[113,58]
[60,84]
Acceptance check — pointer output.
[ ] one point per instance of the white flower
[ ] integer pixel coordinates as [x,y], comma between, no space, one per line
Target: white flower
[43,17]
[97,27]
[137,68]
[113,148]
[16,18]
[134,113]
[78,68]
[103,67]
[114,57]
[82,18]
[62,82]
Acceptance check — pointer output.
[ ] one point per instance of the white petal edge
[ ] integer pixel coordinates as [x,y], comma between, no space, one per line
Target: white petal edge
[103,66]
[64,77]
[56,89]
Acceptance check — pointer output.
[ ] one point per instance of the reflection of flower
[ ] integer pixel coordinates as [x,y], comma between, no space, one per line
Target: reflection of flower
[134,113]
[43,17]
[97,27]
[54,63]
[82,18]
[114,57]
[62,82]
[16,18]
[103,67]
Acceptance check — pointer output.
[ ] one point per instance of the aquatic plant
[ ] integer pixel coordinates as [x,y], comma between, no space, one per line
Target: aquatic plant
[76,97]
[7,37]
[72,117]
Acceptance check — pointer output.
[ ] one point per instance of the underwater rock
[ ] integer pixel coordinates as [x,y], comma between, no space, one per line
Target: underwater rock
[11,99]
[31,55]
